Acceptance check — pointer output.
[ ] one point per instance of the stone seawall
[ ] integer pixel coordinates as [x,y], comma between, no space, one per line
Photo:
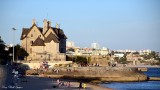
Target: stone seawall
[154,78]
[121,74]
[111,74]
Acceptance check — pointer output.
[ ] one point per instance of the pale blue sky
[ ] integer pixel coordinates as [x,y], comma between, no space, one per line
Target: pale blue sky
[116,24]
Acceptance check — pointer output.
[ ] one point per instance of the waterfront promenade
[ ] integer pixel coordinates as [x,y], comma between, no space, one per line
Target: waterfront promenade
[39,83]
[5,76]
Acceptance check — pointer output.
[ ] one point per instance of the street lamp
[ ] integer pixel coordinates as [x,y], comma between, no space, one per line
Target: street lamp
[13,42]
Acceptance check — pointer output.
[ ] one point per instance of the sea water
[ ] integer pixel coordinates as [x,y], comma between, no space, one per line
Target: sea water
[149,85]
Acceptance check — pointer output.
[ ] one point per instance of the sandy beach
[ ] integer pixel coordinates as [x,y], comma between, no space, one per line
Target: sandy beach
[43,83]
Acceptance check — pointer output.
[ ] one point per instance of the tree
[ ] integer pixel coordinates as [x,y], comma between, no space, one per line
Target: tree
[68,58]
[136,53]
[151,55]
[82,60]
[112,52]
[123,59]
[116,59]
[71,49]
[4,56]
[20,53]
[2,48]
[79,59]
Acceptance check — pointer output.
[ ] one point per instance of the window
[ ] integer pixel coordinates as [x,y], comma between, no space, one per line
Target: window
[39,35]
[31,42]
[24,35]
[31,35]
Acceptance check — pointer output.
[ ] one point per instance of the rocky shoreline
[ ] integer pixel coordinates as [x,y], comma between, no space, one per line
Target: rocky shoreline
[92,79]
[95,74]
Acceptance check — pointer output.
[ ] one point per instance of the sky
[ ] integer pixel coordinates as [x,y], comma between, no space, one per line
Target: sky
[115,24]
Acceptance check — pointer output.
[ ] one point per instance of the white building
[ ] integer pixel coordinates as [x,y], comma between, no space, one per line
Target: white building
[143,52]
[95,45]
[118,54]
[70,44]
[124,51]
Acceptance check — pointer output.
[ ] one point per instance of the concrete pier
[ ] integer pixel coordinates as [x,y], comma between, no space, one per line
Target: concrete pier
[144,69]
[154,78]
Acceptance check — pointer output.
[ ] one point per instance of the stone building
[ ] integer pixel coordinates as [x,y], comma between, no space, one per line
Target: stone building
[47,43]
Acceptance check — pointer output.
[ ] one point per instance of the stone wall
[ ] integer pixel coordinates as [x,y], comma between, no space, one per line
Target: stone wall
[36,64]
[120,74]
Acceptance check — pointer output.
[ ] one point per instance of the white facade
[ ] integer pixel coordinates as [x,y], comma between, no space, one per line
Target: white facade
[70,44]
[142,52]
[104,51]
[89,51]
[118,54]
[95,45]
[124,51]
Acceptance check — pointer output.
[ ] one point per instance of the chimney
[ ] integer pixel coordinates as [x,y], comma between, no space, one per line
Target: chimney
[57,25]
[45,25]
[49,23]
[33,21]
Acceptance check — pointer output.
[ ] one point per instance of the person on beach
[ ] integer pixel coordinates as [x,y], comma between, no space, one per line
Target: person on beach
[62,84]
[58,81]
[69,84]
[80,84]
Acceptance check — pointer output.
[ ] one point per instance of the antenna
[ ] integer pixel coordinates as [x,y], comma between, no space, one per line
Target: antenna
[57,25]
[37,23]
